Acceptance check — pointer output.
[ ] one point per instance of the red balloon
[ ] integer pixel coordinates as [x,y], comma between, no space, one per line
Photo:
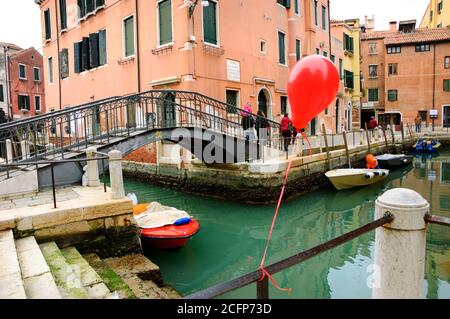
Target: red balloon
[313,85]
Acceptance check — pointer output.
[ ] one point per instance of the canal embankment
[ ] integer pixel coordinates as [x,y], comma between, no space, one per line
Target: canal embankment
[259,182]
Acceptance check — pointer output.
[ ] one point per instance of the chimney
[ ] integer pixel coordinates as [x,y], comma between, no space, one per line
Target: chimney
[393,25]
[369,23]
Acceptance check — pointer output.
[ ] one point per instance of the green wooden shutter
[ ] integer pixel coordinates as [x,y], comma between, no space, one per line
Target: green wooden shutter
[165,22]
[281,48]
[63,13]
[316,18]
[48,29]
[447,85]
[102,47]
[210,23]
[81,8]
[129,36]
[2,97]
[297,49]
[93,50]
[85,65]
[100,3]
[77,57]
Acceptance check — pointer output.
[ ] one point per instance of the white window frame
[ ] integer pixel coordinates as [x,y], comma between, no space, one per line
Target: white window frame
[39,74]
[40,103]
[19,107]
[373,77]
[124,57]
[376,48]
[50,75]
[158,45]
[285,48]
[21,78]
[265,46]
[217,26]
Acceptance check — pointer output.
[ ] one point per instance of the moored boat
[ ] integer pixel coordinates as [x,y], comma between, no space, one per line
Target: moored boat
[164,227]
[426,146]
[389,161]
[355,177]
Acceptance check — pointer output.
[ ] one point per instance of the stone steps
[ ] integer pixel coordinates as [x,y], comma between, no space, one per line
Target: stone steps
[142,276]
[11,285]
[111,279]
[36,276]
[67,280]
[90,280]
[29,270]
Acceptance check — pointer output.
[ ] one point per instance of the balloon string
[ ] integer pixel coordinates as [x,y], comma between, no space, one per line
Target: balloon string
[261,266]
[307,140]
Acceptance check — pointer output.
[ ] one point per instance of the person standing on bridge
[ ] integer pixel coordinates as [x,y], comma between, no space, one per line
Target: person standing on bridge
[248,123]
[286,125]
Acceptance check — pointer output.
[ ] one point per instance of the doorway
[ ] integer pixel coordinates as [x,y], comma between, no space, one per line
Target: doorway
[313,125]
[264,102]
[337,116]
[446,116]
[366,116]
[166,110]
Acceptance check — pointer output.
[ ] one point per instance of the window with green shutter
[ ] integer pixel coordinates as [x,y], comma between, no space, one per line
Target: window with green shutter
[373,95]
[63,14]
[22,72]
[48,28]
[316,14]
[324,18]
[165,22]
[392,95]
[447,85]
[93,50]
[210,22]
[50,70]
[348,43]
[349,82]
[283,101]
[298,49]
[128,26]
[282,48]
[2,97]
[77,49]
[341,66]
[297,7]
[102,47]
[37,75]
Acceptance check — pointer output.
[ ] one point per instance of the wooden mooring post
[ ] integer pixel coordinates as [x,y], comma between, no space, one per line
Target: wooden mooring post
[349,162]
[385,139]
[393,138]
[368,139]
[403,136]
[324,132]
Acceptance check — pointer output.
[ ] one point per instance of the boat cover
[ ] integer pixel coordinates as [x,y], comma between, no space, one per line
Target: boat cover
[158,215]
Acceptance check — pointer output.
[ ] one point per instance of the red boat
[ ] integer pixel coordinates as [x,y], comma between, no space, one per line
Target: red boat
[169,236]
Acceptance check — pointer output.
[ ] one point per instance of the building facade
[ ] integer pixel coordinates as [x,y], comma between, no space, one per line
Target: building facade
[6,50]
[437,14]
[235,51]
[406,72]
[348,31]
[27,89]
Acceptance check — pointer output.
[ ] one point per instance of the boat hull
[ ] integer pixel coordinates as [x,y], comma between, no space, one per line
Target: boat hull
[395,162]
[170,236]
[349,178]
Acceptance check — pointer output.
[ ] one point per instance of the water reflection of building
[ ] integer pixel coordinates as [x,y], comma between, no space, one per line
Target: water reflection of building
[431,178]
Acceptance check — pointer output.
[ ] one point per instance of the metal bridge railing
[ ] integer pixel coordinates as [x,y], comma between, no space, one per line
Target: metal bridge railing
[263,285]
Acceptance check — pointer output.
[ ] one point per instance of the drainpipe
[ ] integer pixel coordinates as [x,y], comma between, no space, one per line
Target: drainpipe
[59,62]
[434,80]
[8,85]
[329,25]
[138,60]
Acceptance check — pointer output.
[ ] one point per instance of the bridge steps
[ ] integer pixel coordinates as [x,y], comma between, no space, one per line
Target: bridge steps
[11,285]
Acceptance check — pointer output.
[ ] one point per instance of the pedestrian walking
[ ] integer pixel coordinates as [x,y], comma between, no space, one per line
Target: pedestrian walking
[418,122]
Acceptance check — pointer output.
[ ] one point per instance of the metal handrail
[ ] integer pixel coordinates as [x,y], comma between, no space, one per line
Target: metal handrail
[262,286]
[53,162]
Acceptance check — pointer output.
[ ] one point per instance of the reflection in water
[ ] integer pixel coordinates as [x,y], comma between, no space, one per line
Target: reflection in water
[233,236]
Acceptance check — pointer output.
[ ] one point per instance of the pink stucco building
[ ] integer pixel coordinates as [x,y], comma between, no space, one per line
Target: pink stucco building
[235,51]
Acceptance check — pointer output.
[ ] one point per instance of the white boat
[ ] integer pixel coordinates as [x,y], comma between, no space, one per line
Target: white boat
[354,177]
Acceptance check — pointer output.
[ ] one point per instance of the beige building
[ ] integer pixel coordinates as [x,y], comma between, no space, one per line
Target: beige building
[437,14]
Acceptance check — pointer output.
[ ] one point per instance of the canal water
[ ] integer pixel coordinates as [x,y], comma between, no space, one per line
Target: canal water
[233,237]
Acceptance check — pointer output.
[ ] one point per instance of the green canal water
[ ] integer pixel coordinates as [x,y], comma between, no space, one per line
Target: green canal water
[233,236]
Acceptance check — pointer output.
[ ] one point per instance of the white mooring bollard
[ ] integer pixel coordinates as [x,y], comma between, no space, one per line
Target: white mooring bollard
[25,147]
[93,179]
[115,175]
[400,245]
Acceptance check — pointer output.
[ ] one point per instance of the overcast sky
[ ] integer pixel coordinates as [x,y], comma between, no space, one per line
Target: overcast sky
[20,19]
